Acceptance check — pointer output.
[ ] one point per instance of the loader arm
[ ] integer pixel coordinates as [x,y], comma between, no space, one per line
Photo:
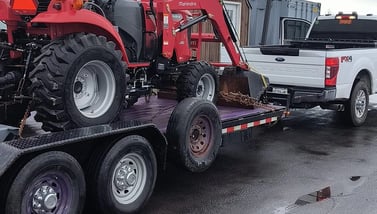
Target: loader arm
[212,10]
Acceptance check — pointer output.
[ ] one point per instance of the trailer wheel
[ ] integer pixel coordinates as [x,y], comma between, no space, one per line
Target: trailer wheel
[52,182]
[198,79]
[79,81]
[357,107]
[194,133]
[126,177]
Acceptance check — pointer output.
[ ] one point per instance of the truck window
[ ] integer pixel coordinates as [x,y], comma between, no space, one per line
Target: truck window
[294,29]
[357,29]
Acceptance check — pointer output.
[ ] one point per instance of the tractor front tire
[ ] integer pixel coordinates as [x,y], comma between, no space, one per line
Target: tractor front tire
[198,79]
[78,81]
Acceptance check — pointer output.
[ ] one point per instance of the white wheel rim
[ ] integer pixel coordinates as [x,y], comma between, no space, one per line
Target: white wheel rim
[94,89]
[206,87]
[129,178]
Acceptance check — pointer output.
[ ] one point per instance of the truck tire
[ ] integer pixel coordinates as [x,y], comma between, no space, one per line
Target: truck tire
[79,81]
[198,79]
[356,108]
[126,177]
[194,134]
[52,182]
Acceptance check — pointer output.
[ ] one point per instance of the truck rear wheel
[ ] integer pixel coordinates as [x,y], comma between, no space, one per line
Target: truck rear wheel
[79,81]
[357,107]
[52,182]
[126,177]
[198,79]
[194,134]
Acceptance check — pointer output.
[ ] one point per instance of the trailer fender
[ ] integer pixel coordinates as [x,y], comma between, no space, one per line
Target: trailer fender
[68,22]
[8,154]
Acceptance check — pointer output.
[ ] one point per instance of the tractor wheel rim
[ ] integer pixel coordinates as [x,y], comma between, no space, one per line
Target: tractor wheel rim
[201,139]
[94,89]
[129,178]
[50,193]
[360,103]
[206,87]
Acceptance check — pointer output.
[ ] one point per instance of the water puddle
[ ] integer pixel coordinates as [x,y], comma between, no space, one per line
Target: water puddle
[341,189]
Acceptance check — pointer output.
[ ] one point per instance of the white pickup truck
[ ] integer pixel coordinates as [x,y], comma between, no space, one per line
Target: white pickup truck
[334,67]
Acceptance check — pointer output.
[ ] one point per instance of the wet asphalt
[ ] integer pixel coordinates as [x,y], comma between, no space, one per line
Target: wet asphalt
[280,170]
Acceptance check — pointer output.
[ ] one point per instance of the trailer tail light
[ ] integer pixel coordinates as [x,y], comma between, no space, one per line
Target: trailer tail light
[25,7]
[331,72]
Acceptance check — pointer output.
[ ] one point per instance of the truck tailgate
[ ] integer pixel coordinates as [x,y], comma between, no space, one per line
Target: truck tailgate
[307,69]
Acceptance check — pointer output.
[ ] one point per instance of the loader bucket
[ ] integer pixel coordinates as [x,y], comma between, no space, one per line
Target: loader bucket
[245,82]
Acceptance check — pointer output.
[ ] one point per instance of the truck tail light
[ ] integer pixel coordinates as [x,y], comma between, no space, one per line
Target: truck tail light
[331,71]
[25,7]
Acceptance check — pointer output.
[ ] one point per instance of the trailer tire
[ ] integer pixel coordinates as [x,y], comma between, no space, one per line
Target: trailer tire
[198,79]
[126,177]
[356,108]
[194,134]
[54,180]
[78,81]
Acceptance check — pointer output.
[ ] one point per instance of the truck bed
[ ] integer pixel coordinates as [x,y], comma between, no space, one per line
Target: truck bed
[158,111]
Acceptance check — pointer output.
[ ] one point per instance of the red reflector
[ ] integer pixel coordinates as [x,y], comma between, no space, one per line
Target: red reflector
[25,7]
[331,71]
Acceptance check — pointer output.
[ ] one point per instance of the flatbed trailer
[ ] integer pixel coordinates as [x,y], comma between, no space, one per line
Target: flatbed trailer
[114,167]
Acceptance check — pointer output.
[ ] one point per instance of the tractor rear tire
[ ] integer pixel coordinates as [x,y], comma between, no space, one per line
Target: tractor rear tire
[78,81]
[198,79]
[194,134]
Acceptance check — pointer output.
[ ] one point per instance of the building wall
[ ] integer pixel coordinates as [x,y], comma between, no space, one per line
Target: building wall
[211,51]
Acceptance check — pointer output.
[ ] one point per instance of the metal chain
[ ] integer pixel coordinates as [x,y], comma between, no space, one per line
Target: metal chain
[23,121]
[244,100]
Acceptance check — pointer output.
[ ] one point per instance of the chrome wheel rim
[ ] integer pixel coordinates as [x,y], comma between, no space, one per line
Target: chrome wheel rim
[129,178]
[360,103]
[49,193]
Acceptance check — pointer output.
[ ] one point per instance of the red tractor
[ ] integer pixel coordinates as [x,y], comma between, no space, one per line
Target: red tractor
[78,63]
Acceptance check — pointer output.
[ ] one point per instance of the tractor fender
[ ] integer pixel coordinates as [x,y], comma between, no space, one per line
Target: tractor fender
[67,22]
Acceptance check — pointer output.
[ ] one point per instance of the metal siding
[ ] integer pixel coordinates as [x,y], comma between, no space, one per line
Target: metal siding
[302,9]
